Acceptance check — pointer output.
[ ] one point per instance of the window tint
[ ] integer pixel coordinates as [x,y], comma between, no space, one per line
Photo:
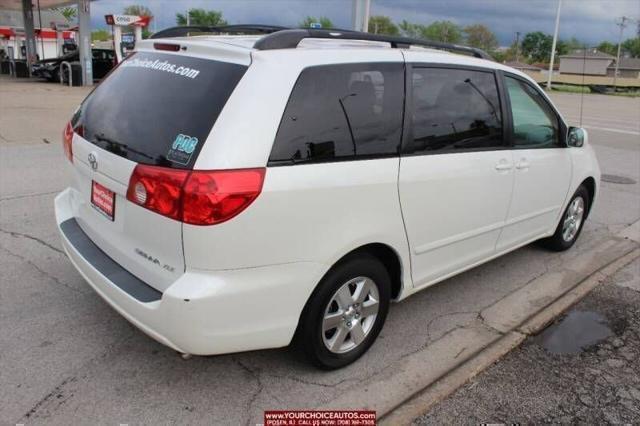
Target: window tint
[340,112]
[158,108]
[535,125]
[455,109]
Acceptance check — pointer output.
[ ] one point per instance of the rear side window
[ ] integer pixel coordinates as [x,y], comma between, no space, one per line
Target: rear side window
[158,108]
[455,109]
[342,112]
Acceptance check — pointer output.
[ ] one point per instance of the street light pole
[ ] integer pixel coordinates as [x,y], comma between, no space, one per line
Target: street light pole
[553,45]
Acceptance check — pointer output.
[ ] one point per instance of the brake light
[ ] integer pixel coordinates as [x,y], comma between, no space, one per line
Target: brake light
[67,141]
[200,197]
[166,46]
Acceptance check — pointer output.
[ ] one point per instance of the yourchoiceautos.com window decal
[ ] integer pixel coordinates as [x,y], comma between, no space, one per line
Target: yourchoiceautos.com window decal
[165,66]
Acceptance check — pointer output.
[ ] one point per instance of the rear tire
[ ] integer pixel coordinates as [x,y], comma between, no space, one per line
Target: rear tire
[345,313]
[571,222]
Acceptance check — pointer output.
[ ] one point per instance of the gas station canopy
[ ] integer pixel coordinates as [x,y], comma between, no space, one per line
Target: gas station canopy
[44,4]
[84,27]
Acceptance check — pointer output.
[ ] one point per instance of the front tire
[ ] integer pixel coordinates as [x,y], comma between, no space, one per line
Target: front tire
[571,223]
[346,312]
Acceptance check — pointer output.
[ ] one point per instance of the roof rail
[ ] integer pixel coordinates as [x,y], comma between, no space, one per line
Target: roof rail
[183,31]
[290,38]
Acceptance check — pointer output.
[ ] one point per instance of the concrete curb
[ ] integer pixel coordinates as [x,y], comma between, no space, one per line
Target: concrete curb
[436,392]
[550,313]
[411,386]
[425,400]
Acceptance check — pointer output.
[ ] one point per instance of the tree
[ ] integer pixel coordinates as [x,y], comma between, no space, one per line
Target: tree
[632,46]
[536,46]
[573,44]
[562,48]
[139,10]
[197,16]
[480,36]
[68,12]
[382,25]
[411,30]
[608,47]
[444,31]
[100,35]
[324,22]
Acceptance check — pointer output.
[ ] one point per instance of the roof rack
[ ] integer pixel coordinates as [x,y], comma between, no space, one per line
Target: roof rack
[183,31]
[290,38]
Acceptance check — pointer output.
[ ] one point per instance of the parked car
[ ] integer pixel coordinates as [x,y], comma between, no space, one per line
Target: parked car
[240,193]
[102,62]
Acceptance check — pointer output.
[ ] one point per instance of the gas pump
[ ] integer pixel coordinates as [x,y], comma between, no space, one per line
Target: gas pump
[63,46]
[119,21]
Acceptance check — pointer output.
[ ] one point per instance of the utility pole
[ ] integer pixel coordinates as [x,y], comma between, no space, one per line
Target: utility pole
[553,45]
[622,24]
[517,46]
[360,15]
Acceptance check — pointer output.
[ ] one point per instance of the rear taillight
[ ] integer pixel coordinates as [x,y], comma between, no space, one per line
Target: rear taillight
[67,141]
[195,197]
[212,197]
[158,189]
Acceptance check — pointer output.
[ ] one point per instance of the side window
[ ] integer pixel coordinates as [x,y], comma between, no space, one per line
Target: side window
[535,125]
[455,109]
[340,112]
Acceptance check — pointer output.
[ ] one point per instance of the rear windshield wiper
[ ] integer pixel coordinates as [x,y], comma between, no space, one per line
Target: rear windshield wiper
[113,144]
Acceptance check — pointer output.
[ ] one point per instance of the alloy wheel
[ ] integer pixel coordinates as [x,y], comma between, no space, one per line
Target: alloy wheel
[573,219]
[350,315]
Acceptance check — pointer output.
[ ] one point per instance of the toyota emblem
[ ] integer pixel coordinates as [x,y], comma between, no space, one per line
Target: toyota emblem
[93,161]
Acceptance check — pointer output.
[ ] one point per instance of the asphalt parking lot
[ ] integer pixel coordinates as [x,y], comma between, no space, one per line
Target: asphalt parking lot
[67,356]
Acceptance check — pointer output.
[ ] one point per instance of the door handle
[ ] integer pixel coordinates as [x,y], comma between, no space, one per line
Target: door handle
[502,166]
[522,164]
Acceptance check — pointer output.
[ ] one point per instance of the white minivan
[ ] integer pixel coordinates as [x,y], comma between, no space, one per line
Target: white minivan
[238,192]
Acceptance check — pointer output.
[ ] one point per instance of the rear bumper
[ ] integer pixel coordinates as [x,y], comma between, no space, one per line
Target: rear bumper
[202,312]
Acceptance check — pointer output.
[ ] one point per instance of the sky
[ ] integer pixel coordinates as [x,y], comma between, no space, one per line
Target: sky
[590,21]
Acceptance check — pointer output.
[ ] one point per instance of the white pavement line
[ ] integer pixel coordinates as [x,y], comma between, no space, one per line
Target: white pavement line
[624,121]
[604,125]
[609,129]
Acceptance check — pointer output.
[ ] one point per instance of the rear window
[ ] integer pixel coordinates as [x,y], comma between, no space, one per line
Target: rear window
[158,108]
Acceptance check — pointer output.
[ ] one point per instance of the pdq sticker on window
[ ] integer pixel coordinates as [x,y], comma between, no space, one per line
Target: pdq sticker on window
[182,148]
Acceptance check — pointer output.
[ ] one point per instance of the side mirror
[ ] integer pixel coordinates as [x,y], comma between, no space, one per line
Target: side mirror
[577,137]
